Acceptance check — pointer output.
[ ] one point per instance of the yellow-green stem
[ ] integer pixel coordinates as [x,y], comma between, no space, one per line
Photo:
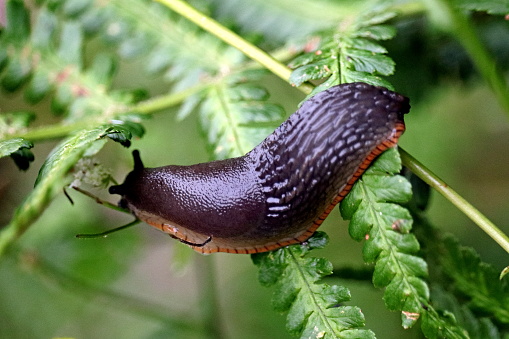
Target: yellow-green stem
[232,39]
[440,186]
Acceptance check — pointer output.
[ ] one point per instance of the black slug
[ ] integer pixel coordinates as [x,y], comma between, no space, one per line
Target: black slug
[280,192]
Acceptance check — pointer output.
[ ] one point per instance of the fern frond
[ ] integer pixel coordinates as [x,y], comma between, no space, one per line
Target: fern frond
[236,115]
[385,226]
[167,43]
[314,308]
[475,279]
[477,327]
[49,58]
[351,53]
[451,266]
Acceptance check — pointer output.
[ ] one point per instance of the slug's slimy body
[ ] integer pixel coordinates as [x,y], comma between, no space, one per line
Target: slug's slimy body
[279,193]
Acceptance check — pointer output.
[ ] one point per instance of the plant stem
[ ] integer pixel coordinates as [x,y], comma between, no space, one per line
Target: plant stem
[440,186]
[454,20]
[223,33]
[144,107]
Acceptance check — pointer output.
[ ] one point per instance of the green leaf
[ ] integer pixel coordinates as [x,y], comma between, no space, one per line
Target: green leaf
[355,76]
[74,8]
[365,44]
[491,6]
[379,32]
[44,30]
[17,30]
[103,68]
[39,86]
[70,44]
[19,150]
[317,70]
[16,74]
[169,44]
[293,20]
[123,132]
[370,62]
[314,308]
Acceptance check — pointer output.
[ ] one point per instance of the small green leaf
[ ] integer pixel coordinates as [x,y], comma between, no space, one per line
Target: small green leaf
[158,60]
[44,30]
[17,30]
[94,20]
[317,70]
[189,104]
[39,86]
[62,99]
[306,59]
[386,226]
[73,8]
[351,53]
[435,326]
[123,132]
[460,315]
[70,47]
[16,74]
[490,6]
[134,46]
[19,150]
[103,68]
[379,32]
[356,76]
[389,162]
[365,44]
[248,91]
[370,62]
[64,157]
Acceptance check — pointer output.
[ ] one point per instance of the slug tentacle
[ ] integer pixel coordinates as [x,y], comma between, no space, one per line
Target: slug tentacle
[280,192]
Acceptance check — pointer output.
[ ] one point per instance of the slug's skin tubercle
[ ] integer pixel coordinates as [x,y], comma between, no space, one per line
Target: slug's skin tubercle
[279,193]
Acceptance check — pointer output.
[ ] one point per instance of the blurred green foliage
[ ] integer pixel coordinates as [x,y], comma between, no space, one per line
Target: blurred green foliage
[96,62]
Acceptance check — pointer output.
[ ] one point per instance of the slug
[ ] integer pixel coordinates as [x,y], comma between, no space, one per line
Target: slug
[280,192]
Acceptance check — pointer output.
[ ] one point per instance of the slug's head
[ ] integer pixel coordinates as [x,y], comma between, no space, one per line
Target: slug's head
[130,181]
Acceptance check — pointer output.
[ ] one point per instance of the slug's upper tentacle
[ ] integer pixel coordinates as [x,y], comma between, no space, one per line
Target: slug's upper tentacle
[281,191]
